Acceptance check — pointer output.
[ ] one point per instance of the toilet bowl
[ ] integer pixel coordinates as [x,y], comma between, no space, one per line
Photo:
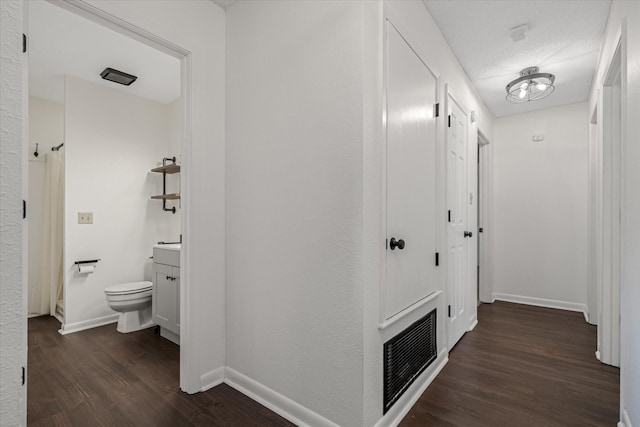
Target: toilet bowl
[133,301]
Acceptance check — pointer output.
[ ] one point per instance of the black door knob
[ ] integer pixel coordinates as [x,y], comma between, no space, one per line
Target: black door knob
[393,243]
[468,234]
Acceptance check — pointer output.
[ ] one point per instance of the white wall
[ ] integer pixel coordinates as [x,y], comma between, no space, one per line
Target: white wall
[540,207]
[112,141]
[294,197]
[175,138]
[627,14]
[307,77]
[281,170]
[197,29]
[46,127]
[13,171]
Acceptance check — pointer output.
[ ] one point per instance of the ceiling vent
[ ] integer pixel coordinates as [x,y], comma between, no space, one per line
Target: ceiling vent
[117,76]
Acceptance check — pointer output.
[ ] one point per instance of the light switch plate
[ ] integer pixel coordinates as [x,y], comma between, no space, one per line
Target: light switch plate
[85,217]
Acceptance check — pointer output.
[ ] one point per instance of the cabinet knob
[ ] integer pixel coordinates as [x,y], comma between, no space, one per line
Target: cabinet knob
[468,234]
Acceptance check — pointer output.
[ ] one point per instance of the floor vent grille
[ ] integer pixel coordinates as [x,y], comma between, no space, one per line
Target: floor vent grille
[407,355]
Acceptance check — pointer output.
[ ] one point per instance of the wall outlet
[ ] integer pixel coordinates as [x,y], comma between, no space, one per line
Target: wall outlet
[85,217]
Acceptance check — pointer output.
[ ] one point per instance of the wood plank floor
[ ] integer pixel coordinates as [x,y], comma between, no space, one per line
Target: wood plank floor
[103,378]
[522,366]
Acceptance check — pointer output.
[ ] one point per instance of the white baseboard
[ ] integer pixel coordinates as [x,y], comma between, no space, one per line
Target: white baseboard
[170,335]
[625,421]
[68,328]
[402,407]
[541,302]
[281,405]
[212,379]
[474,323]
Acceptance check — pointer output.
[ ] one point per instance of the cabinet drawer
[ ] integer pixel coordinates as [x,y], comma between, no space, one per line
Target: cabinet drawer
[166,256]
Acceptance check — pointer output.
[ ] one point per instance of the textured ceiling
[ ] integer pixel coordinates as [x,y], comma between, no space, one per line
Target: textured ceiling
[61,43]
[563,39]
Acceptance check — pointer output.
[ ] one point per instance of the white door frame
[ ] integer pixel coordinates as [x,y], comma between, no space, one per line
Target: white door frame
[611,125]
[83,9]
[594,219]
[485,199]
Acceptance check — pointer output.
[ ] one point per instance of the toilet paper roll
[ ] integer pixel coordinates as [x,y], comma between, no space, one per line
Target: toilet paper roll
[86,269]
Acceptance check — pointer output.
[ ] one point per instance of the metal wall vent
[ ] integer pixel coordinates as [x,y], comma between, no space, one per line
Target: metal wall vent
[407,355]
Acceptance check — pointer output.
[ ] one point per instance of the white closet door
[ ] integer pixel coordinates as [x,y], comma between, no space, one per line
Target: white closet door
[457,225]
[411,176]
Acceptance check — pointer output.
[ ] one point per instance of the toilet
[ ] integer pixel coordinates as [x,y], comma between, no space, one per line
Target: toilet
[133,301]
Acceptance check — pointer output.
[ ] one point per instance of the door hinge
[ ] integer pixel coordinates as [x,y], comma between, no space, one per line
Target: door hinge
[437,107]
[24,375]
[437,259]
[449,215]
[449,311]
[24,209]
[449,121]
[24,43]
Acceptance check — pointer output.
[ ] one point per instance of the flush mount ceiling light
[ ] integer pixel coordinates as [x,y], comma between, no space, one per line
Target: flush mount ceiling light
[117,76]
[530,86]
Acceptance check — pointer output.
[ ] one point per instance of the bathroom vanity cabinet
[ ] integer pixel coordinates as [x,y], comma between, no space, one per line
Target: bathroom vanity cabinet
[166,291]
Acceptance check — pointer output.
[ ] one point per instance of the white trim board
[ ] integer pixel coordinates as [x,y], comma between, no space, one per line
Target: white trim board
[68,328]
[212,379]
[541,302]
[271,399]
[473,322]
[625,421]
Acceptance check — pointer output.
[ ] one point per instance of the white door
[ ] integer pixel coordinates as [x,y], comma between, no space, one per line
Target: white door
[411,176]
[457,222]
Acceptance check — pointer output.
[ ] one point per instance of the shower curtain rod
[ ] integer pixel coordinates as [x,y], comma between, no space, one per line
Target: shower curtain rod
[57,148]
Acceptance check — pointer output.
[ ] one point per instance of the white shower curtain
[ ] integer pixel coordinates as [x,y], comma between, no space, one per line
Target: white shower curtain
[44,296]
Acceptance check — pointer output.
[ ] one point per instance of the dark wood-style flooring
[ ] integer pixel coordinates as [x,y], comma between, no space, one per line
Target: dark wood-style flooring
[521,366]
[103,378]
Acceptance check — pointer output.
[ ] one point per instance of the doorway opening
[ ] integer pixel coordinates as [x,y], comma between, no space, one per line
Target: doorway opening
[484,272]
[109,138]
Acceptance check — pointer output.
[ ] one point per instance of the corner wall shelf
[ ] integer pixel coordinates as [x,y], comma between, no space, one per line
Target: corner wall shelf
[167,169]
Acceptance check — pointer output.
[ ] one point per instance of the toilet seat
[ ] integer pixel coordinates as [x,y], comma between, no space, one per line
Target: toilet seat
[129,288]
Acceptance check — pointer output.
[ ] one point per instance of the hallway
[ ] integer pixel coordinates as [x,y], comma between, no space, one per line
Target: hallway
[522,366]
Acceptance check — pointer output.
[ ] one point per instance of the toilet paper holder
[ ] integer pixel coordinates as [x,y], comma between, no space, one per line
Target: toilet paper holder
[86,263]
